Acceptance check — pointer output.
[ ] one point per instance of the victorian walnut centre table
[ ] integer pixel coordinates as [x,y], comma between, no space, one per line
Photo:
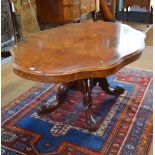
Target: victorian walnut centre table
[78,55]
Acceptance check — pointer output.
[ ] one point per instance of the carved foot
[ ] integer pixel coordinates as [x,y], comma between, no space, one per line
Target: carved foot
[87,102]
[61,96]
[92,125]
[45,109]
[103,83]
[118,90]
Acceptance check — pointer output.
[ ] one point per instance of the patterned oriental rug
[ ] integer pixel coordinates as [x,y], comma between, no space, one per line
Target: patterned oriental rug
[125,122]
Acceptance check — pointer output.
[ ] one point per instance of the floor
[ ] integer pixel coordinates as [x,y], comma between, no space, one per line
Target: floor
[12,86]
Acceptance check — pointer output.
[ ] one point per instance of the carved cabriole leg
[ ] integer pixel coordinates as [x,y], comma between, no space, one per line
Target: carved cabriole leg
[87,102]
[103,83]
[61,96]
[86,86]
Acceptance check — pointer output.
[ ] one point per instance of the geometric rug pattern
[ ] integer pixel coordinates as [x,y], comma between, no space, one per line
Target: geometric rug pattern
[126,122]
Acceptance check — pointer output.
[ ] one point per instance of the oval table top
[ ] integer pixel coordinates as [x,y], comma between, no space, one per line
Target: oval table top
[77,51]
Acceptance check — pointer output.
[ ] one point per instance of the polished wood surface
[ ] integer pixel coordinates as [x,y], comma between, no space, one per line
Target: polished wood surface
[77,51]
[49,11]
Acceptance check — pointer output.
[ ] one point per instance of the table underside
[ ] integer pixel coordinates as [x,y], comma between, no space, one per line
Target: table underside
[85,86]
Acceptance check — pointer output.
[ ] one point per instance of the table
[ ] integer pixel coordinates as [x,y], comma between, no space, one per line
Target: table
[58,12]
[141,3]
[79,56]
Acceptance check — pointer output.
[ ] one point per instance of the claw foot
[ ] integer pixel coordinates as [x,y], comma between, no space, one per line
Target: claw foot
[118,90]
[44,110]
[92,125]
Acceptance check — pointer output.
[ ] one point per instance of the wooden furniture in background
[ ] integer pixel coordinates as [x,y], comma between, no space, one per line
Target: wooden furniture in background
[78,55]
[114,3]
[58,12]
[106,11]
[141,3]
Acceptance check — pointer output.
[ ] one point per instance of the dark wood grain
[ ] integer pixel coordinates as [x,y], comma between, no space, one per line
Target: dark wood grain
[87,85]
[58,12]
[77,51]
[49,11]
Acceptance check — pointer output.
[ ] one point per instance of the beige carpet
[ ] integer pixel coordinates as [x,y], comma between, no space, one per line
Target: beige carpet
[139,26]
[145,61]
[149,37]
[12,85]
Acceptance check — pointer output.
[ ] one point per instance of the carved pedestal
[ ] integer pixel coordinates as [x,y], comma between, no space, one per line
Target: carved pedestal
[85,86]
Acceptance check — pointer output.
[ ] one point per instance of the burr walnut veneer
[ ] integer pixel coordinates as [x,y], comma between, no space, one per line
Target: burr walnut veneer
[79,56]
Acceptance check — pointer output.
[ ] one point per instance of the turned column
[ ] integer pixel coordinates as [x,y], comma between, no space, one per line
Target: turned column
[87,102]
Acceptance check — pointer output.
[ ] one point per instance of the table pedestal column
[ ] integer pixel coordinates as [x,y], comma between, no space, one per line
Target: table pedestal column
[85,86]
